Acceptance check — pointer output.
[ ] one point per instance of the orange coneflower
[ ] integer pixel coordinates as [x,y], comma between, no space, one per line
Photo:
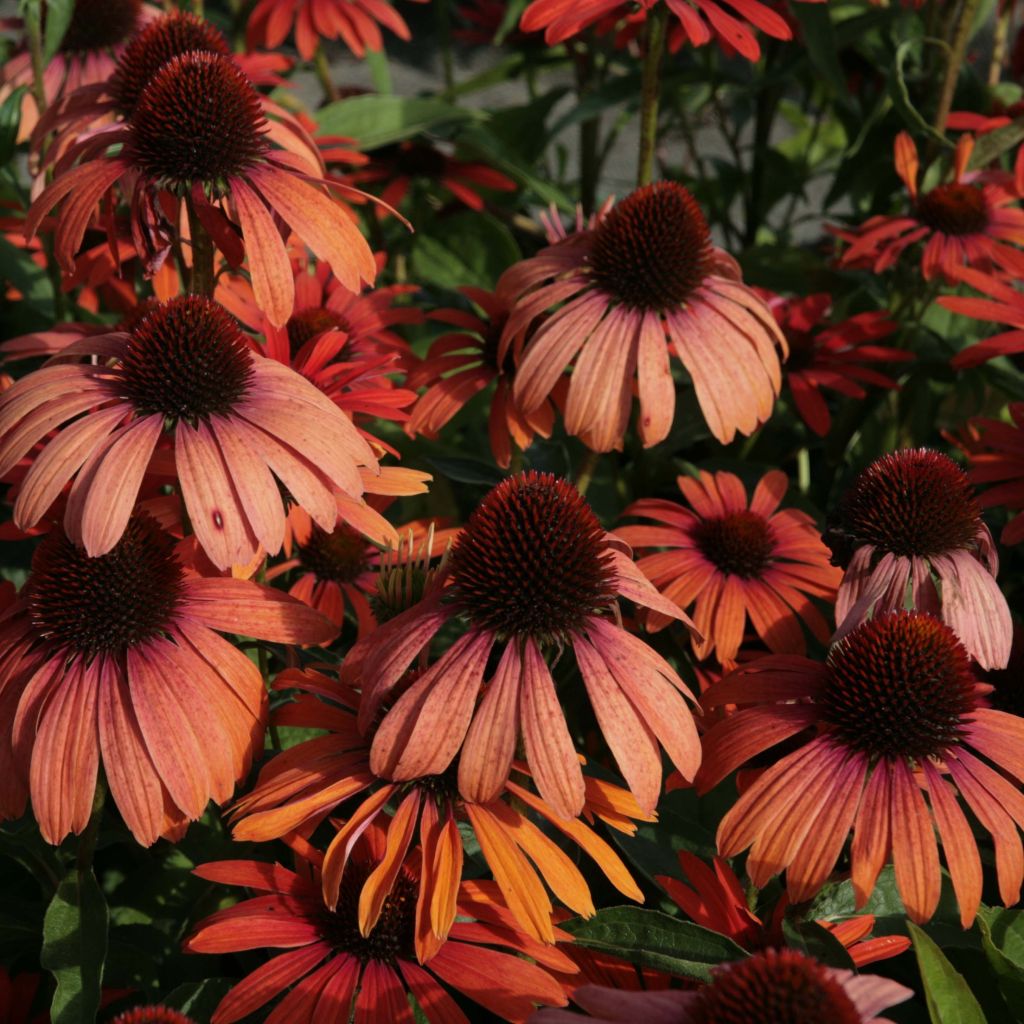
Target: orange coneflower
[239,421]
[715,899]
[531,574]
[298,789]
[911,520]
[728,559]
[199,134]
[834,357]
[461,363]
[894,712]
[967,221]
[337,970]
[115,658]
[645,277]
[769,988]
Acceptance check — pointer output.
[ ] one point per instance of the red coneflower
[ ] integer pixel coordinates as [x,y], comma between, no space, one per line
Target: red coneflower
[199,134]
[116,658]
[239,422]
[997,457]
[772,987]
[1004,306]
[336,970]
[462,363]
[911,520]
[831,356]
[644,277]
[700,21]
[357,23]
[403,165]
[298,789]
[967,221]
[893,713]
[531,574]
[729,559]
[715,899]
[17,994]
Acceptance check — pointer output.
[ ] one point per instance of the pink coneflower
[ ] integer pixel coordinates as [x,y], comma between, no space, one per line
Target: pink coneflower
[965,222]
[619,294]
[831,357]
[531,574]
[298,789]
[725,559]
[115,658]
[199,135]
[911,520]
[997,458]
[699,21]
[770,988]
[462,363]
[407,163]
[339,973]
[893,713]
[241,422]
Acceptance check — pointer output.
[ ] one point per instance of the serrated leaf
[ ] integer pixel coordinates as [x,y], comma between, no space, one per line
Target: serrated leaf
[375,121]
[58,18]
[949,999]
[75,947]
[649,938]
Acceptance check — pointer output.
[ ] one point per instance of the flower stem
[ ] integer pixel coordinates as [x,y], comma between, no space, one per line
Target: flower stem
[202,281]
[655,31]
[323,75]
[590,129]
[34,31]
[443,14]
[957,52]
[586,471]
[87,840]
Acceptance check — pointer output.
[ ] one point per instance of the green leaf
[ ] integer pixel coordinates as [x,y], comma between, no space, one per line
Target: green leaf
[462,470]
[810,938]
[649,938]
[10,118]
[513,11]
[375,121]
[819,36]
[75,947]
[58,18]
[993,144]
[1002,939]
[198,999]
[467,248]
[949,999]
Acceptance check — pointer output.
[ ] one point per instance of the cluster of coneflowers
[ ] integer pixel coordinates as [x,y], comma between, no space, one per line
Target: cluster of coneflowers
[211,467]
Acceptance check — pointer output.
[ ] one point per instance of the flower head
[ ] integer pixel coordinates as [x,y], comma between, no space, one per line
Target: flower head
[965,222]
[338,969]
[727,559]
[115,658]
[834,357]
[909,520]
[531,574]
[645,277]
[894,713]
[773,987]
[238,419]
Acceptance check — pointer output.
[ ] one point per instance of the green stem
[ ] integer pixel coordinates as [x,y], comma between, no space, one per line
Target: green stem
[34,31]
[87,840]
[590,130]
[323,75]
[444,31]
[586,471]
[957,53]
[655,31]
[202,282]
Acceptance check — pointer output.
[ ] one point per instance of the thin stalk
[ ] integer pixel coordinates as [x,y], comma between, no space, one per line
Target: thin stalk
[999,42]
[202,280]
[957,53]
[34,31]
[87,840]
[323,75]
[655,31]
[590,130]
[586,471]
[444,31]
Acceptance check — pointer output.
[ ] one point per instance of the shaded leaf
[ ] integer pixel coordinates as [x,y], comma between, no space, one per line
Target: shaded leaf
[950,1000]
[379,120]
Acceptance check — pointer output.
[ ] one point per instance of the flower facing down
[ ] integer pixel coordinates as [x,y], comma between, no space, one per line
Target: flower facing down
[115,659]
[715,899]
[996,457]
[894,713]
[461,363]
[336,970]
[199,134]
[833,357]
[773,987]
[530,575]
[643,279]
[911,520]
[240,422]
[971,221]
[299,788]
[728,559]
